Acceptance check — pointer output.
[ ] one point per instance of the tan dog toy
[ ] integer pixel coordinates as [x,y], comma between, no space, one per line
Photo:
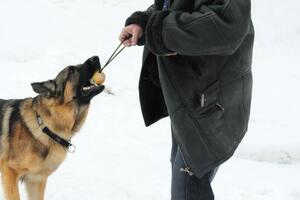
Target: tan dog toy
[98,78]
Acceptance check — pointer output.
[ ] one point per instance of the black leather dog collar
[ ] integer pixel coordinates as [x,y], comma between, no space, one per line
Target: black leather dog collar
[66,144]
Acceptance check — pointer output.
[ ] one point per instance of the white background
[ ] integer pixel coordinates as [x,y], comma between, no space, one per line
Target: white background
[118,158]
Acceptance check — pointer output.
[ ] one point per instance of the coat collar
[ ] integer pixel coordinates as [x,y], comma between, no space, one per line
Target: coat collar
[159,4]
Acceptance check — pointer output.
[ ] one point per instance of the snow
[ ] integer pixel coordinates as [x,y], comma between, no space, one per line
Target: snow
[118,158]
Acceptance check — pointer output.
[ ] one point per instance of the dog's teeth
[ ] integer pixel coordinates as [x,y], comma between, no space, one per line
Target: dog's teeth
[85,88]
[93,82]
[88,87]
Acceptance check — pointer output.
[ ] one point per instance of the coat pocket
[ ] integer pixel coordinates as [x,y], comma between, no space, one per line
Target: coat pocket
[210,115]
[208,101]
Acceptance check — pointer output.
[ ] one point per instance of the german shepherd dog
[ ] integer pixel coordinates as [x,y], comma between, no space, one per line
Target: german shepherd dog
[35,132]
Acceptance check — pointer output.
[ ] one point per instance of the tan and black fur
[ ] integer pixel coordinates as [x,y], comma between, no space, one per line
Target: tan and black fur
[26,152]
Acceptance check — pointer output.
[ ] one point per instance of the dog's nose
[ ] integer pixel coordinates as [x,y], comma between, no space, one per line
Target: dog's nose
[94,62]
[94,59]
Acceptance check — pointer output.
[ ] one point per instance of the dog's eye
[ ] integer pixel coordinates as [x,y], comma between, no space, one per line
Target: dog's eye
[72,70]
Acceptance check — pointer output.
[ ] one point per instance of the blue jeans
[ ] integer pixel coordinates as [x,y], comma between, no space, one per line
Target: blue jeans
[185,185]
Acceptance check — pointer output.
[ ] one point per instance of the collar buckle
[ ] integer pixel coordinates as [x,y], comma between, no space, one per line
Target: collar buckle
[71,148]
[39,120]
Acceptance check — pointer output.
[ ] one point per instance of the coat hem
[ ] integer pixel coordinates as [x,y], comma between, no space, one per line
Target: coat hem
[221,161]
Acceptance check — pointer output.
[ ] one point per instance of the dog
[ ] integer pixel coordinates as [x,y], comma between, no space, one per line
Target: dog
[35,133]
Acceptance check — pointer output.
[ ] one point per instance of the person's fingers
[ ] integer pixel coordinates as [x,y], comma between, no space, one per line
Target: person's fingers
[124,34]
[121,36]
[135,36]
[130,35]
[127,43]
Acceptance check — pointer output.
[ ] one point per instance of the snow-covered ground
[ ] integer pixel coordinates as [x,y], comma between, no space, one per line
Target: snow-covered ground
[118,158]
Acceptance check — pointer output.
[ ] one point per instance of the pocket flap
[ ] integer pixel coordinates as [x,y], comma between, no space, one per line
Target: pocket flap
[208,98]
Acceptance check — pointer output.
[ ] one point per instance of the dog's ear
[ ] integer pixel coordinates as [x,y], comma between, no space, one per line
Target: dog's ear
[46,88]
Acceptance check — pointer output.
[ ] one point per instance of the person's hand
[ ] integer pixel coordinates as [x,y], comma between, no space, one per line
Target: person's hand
[131,34]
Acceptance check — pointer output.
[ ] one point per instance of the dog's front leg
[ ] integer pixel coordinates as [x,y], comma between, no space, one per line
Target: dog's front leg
[35,186]
[10,183]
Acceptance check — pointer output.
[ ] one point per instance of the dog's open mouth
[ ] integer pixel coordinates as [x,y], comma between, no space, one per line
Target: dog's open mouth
[90,90]
[90,86]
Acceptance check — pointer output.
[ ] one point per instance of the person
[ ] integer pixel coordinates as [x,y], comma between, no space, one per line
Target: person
[196,70]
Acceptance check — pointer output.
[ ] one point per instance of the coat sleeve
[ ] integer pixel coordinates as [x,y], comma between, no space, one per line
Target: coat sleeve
[140,18]
[212,29]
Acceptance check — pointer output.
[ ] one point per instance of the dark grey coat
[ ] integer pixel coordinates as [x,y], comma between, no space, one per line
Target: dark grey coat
[206,88]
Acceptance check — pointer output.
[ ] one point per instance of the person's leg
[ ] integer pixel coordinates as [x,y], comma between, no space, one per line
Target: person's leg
[187,187]
[174,150]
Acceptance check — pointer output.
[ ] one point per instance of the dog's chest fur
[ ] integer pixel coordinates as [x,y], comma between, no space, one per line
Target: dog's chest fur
[24,147]
[35,157]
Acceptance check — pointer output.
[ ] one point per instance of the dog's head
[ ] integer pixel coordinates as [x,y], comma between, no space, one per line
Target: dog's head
[72,83]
